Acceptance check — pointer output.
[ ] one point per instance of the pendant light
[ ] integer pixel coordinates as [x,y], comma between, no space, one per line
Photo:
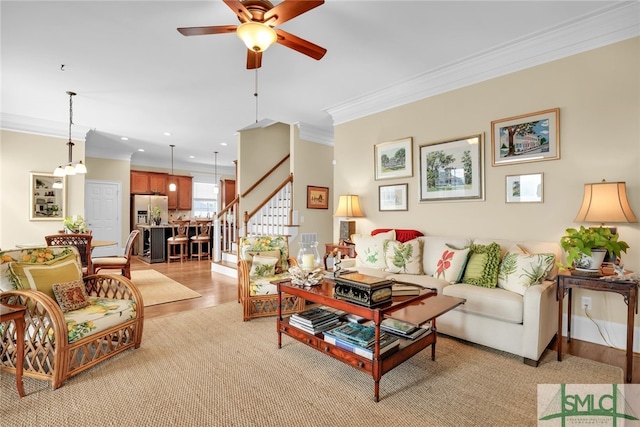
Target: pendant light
[70,168]
[172,184]
[216,190]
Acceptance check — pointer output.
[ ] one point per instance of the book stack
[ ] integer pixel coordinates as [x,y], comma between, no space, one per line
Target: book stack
[314,320]
[402,289]
[404,329]
[360,339]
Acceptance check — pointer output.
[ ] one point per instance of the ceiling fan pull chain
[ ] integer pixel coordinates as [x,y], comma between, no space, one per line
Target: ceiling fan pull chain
[256,95]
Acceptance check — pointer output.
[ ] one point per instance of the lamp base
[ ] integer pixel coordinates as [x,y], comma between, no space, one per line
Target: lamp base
[347,228]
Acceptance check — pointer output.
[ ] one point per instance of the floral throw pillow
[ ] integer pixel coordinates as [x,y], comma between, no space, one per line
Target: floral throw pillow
[263,266]
[483,265]
[403,257]
[71,295]
[519,270]
[370,249]
[451,264]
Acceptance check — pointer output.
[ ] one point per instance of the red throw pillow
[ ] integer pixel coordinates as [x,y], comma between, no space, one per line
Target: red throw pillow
[402,235]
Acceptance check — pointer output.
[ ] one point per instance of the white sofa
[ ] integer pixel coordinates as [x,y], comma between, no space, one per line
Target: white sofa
[495,317]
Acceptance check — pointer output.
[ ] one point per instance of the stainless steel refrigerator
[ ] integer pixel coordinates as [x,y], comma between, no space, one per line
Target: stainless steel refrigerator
[141,206]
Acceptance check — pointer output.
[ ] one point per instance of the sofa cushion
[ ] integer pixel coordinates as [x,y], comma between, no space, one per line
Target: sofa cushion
[71,295]
[263,266]
[483,265]
[262,244]
[370,250]
[519,270]
[451,264]
[432,250]
[495,303]
[403,257]
[263,285]
[42,276]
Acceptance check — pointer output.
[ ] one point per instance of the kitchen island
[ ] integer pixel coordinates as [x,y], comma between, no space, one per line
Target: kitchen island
[152,245]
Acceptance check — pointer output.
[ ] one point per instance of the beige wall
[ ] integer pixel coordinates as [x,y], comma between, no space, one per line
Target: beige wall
[598,96]
[20,154]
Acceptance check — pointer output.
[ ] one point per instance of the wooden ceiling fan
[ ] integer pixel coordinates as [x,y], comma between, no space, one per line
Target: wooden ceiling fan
[258,19]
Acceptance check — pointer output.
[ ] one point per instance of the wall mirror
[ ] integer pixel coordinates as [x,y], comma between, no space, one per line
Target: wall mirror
[48,197]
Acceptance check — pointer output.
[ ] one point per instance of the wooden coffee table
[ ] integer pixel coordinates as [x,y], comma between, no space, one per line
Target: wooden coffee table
[416,310]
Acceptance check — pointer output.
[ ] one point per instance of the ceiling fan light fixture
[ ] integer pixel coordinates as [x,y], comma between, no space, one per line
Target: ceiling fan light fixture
[256,35]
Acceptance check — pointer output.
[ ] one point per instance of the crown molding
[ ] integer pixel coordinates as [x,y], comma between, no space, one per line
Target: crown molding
[24,124]
[317,134]
[611,24]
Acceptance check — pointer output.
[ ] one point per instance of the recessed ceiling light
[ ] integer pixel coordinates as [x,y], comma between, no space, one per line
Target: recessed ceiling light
[223,143]
[141,149]
[192,157]
[167,134]
[124,138]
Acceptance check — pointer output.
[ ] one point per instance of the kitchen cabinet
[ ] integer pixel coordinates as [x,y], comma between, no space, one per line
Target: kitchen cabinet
[148,182]
[181,198]
[228,191]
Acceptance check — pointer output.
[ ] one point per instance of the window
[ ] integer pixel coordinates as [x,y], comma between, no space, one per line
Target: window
[205,200]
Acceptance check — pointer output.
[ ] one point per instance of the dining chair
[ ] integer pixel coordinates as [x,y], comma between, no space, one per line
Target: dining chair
[122,263]
[202,239]
[178,243]
[82,241]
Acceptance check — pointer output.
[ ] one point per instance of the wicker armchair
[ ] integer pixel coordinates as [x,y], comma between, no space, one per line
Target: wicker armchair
[259,298]
[57,347]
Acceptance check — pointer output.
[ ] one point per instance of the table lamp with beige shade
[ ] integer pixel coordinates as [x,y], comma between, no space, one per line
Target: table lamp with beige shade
[348,207]
[606,202]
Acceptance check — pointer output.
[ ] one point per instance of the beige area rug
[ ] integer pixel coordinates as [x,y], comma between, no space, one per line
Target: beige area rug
[156,288]
[208,368]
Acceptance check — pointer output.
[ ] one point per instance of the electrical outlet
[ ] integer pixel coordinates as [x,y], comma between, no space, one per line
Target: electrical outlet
[586,303]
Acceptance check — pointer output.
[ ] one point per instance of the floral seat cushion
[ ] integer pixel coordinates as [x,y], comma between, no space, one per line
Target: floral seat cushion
[101,314]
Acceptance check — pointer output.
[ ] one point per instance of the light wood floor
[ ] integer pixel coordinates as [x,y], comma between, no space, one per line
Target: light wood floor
[218,289]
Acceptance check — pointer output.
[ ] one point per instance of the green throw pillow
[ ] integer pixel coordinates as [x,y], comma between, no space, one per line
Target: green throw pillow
[483,265]
[41,277]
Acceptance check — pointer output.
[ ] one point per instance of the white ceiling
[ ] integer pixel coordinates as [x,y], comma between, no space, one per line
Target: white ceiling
[136,76]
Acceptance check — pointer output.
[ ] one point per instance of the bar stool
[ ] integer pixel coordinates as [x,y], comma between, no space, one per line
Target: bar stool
[202,239]
[179,240]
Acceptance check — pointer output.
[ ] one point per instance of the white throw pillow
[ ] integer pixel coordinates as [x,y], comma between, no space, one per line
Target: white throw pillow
[403,257]
[519,270]
[370,249]
[263,266]
[451,263]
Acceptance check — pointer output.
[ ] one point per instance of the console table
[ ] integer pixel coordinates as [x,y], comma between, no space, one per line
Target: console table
[416,310]
[16,313]
[628,290]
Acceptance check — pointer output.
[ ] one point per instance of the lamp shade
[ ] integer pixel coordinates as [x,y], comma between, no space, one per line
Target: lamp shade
[605,202]
[256,36]
[349,207]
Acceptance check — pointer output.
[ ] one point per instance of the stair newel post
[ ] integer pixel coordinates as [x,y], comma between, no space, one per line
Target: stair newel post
[217,239]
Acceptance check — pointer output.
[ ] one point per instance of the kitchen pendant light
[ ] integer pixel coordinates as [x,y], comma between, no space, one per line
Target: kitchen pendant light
[70,168]
[216,190]
[172,184]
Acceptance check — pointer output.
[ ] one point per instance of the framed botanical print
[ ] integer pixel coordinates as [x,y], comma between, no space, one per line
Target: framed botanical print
[392,197]
[524,188]
[452,170]
[394,159]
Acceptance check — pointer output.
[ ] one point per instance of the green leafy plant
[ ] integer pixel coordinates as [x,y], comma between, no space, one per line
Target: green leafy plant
[576,242]
[75,223]
[156,212]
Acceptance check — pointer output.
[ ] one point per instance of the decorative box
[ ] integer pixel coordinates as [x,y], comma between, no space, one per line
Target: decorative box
[362,289]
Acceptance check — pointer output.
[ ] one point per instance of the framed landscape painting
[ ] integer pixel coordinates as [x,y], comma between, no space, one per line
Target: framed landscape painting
[452,170]
[317,197]
[527,138]
[394,159]
[524,188]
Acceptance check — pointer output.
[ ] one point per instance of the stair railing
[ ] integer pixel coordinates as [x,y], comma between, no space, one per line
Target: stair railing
[274,214]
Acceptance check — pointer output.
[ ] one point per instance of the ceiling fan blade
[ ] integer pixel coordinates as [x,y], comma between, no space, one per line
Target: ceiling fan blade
[254,59]
[289,9]
[239,9]
[201,31]
[301,45]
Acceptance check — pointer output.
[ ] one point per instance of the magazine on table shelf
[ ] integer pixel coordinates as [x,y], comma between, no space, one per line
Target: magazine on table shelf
[387,343]
[404,329]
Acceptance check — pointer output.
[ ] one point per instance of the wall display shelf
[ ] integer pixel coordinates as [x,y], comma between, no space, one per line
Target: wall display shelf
[416,310]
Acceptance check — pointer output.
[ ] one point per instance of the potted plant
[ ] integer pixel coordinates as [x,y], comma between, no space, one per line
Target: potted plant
[74,224]
[156,214]
[580,244]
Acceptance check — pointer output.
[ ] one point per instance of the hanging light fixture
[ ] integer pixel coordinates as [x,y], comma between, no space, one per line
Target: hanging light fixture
[172,184]
[216,190]
[256,35]
[70,168]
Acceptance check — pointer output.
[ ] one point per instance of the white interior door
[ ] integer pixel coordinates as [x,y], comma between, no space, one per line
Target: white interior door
[102,214]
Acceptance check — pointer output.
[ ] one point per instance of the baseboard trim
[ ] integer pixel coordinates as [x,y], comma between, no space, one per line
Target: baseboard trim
[583,329]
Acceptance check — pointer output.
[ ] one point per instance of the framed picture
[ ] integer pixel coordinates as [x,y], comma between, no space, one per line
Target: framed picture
[527,138]
[393,197]
[452,170]
[394,159]
[48,197]
[317,197]
[524,188]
